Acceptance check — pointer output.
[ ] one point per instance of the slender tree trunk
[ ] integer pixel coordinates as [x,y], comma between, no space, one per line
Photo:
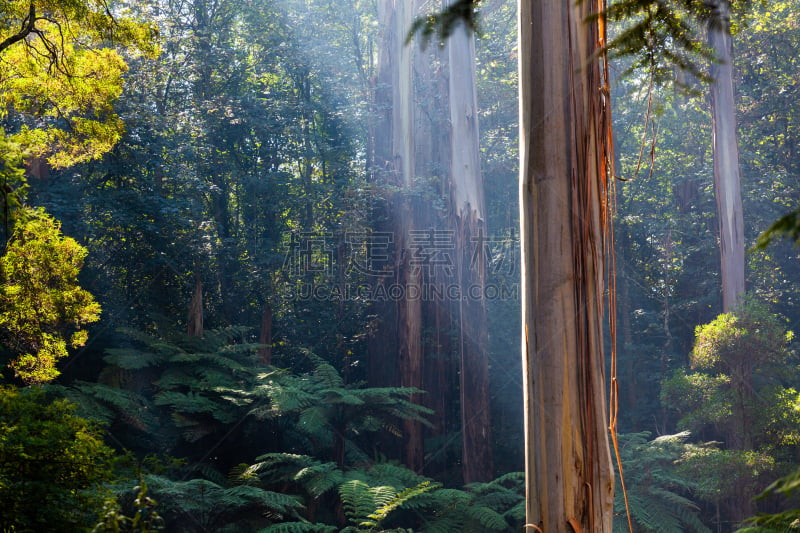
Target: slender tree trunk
[564,127]
[467,206]
[265,336]
[195,328]
[727,183]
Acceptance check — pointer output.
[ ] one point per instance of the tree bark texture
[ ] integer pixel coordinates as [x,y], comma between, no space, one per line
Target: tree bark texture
[265,336]
[467,210]
[195,327]
[396,73]
[727,181]
[564,151]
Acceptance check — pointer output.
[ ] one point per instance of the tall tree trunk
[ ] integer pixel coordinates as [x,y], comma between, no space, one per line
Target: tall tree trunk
[727,183]
[265,336]
[727,188]
[399,172]
[195,327]
[564,126]
[467,206]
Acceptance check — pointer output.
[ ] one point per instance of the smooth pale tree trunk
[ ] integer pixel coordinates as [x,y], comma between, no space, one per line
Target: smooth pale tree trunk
[435,141]
[727,188]
[727,182]
[397,158]
[467,208]
[564,132]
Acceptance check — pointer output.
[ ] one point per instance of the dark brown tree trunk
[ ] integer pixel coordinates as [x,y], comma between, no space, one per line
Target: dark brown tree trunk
[195,327]
[265,336]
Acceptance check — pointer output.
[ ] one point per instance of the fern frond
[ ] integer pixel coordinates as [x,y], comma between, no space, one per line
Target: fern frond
[299,527]
[313,420]
[315,476]
[212,358]
[489,519]
[320,478]
[444,522]
[133,359]
[357,500]
[192,402]
[397,475]
[129,406]
[398,500]
[328,376]
[87,406]
[242,495]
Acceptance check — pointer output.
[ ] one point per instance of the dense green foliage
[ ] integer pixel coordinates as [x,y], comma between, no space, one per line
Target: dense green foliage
[43,310]
[52,465]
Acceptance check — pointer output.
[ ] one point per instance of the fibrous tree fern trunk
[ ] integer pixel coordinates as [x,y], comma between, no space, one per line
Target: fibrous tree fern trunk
[727,182]
[564,150]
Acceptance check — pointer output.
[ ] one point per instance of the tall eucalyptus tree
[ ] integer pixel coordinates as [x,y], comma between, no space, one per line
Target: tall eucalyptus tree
[564,174]
[442,247]
[727,181]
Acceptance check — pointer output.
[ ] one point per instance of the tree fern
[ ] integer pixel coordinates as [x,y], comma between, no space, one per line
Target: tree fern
[658,491]
[367,507]
[482,507]
[133,359]
[185,505]
[399,499]
[316,477]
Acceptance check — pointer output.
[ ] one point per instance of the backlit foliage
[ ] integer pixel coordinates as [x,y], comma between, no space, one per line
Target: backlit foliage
[43,310]
[57,66]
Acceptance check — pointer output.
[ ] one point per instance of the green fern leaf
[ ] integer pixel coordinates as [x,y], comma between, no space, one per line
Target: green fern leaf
[489,519]
[357,499]
[132,359]
[397,500]
[299,527]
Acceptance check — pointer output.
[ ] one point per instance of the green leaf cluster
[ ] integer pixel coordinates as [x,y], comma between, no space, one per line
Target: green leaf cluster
[43,310]
[781,522]
[52,465]
[388,497]
[59,77]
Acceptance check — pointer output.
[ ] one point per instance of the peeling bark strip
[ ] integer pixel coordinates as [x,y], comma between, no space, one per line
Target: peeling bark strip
[727,183]
[565,153]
